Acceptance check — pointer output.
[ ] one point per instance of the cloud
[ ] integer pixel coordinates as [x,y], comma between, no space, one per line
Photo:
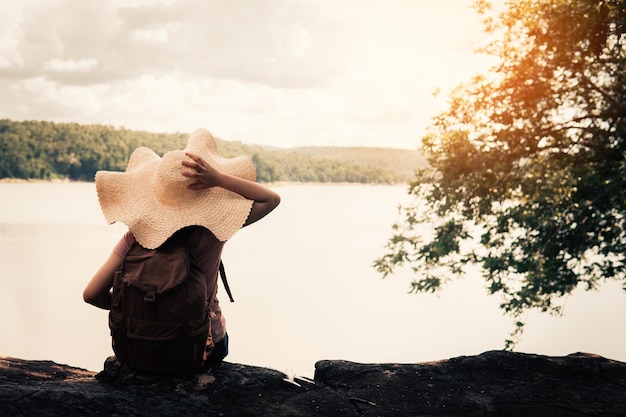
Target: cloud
[278,72]
[281,43]
[70,65]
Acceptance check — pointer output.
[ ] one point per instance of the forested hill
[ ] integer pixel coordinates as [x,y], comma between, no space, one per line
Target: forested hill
[46,150]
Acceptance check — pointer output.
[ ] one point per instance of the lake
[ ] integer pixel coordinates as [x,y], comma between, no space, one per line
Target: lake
[303,282]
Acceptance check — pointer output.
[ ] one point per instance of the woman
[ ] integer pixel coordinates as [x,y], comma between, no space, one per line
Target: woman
[156,197]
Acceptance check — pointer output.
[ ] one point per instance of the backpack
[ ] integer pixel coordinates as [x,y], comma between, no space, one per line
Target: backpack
[160,318]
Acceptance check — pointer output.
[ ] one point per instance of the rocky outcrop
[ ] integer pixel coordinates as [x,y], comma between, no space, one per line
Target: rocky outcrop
[494,383]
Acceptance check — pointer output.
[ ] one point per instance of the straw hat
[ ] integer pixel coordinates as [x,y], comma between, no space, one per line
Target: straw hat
[151,197]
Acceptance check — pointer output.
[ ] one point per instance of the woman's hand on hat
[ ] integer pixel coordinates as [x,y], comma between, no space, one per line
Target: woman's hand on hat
[204,174]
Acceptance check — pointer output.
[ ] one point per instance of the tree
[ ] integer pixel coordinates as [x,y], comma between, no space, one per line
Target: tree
[527,175]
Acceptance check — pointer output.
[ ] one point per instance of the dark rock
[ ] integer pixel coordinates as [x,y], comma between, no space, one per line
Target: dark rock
[494,383]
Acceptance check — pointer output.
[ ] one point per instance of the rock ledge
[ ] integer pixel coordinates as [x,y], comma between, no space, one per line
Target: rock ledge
[495,383]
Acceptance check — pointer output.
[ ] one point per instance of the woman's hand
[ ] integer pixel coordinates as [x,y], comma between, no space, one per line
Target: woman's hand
[204,174]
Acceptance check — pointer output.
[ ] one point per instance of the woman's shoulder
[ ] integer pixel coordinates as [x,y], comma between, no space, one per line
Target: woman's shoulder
[124,244]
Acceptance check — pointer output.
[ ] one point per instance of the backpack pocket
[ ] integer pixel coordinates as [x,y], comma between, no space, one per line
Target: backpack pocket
[159,347]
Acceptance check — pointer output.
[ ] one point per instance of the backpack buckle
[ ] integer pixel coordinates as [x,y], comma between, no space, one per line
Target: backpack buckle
[150,294]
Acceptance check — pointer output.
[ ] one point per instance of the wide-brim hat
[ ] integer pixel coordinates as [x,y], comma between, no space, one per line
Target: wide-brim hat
[152,198]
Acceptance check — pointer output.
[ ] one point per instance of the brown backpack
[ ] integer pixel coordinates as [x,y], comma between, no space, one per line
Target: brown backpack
[160,318]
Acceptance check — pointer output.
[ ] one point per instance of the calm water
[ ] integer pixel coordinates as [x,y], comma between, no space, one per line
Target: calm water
[303,282]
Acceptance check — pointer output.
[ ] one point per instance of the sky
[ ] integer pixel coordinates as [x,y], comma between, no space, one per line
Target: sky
[281,73]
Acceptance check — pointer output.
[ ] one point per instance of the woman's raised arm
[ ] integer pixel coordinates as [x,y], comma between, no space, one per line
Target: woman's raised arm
[205,176]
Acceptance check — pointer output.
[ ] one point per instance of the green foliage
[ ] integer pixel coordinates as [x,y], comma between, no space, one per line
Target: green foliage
[45,150]
[402,161]
[528,163]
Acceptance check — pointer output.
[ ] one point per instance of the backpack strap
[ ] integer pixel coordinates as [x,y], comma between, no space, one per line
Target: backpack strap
[225,282]
[183,235]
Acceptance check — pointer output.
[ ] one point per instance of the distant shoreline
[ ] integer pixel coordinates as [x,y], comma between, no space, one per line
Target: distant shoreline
[269,184]
[36,180]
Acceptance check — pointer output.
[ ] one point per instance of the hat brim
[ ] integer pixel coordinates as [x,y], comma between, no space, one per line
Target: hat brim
[137,198]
